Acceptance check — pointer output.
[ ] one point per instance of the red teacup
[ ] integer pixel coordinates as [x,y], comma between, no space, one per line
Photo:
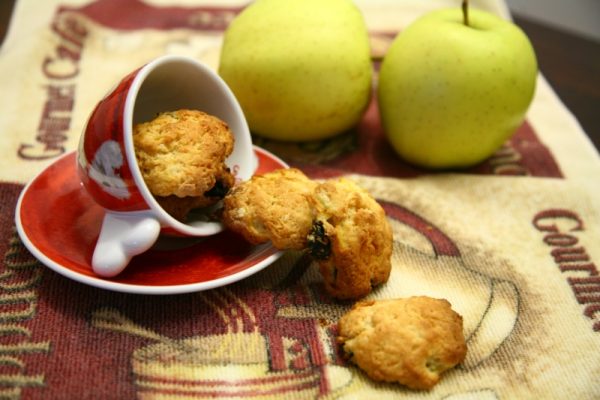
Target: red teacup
[107,163]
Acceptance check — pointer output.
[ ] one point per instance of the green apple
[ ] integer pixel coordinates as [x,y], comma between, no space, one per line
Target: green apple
[300,69]
[451,93]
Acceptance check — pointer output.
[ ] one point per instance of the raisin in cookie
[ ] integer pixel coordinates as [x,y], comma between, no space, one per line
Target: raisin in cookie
[181,154]
[410,341]
[272,207]
[351,239]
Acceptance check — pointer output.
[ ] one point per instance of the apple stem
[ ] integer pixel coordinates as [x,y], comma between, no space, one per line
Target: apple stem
[465,10]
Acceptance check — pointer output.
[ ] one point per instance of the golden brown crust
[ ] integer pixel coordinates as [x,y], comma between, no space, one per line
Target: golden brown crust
[183,152]
[360,237]
[272,207]
[342,226]
[410,341]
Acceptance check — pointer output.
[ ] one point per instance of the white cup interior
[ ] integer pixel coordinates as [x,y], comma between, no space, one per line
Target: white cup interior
[170,83]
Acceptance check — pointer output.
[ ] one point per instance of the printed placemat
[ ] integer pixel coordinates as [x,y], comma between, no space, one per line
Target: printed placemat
[511,243]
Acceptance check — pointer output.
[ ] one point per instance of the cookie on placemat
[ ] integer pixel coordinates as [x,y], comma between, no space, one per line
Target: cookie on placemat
[351,239]
[182,153]
[410,341]
[272,207]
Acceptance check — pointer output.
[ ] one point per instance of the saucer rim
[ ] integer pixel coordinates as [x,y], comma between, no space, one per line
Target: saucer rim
[101,283]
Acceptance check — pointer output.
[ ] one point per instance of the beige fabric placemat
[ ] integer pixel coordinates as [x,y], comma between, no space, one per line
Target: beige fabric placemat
[512,243]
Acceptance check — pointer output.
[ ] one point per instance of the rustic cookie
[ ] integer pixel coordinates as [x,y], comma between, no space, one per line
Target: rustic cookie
[351,239]
[411,341]
[272,207]
[182,153]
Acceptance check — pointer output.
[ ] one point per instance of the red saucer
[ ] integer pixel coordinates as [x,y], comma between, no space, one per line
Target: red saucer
[59,223]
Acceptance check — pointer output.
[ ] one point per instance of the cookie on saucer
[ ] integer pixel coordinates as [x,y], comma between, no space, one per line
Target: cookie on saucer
[272,207]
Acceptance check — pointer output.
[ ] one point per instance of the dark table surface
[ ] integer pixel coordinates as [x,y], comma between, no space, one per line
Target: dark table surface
[571,63]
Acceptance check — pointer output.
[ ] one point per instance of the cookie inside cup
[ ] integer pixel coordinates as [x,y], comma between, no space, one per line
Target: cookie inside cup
[193,136]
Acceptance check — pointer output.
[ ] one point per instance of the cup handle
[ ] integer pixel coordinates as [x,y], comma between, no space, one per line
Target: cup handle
[122,236]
